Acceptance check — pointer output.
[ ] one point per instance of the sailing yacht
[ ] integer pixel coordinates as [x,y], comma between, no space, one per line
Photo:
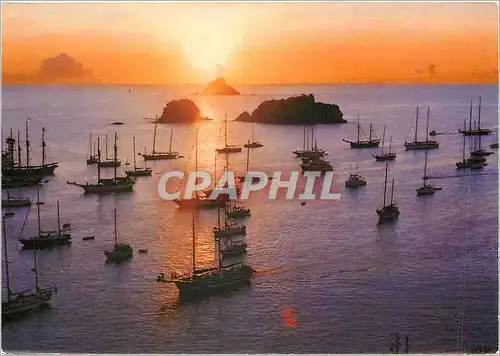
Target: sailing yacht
[237,211]
[92,155]
[229,228]
[109,162]
[138,171]
[203,282]
[389,156]
[388,212]
[10,168]
[23,303]
[370,143]
[316,165]
[227,148]
[473,162]
[355,180]
[46,239]
[15,202]
[476,131]
[120,251]
[117,184]
[153,156]
[421,145]
[253,144]
[309,150]
[426,189]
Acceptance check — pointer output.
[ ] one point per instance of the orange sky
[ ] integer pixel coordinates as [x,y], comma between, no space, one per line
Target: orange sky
[258,42]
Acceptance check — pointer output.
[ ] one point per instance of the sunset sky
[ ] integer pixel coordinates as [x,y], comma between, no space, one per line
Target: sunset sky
[257,42]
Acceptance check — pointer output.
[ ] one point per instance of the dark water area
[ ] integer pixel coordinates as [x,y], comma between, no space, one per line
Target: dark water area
[346,282]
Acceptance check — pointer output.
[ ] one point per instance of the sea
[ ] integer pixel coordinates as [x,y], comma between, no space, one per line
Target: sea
[329,278]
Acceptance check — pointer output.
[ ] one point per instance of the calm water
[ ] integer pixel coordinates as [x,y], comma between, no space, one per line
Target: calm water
[350,282]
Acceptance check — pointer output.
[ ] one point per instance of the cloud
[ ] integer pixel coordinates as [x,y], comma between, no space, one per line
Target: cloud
[61,67]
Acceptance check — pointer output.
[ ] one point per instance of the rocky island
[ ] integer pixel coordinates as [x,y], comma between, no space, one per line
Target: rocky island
[299,110]
[180,111]
[219,87]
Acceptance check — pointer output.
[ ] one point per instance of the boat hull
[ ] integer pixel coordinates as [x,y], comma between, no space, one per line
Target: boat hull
[139,173]
[239,214]
[355,184]
[159,156]
[229,150]
[426,190]
[46,241]
[253,145]
[421,145]
[15,203]
[43,170]
[494,145]
[232,231]
[477,132]
[385,157]
[199,203]
[121,187]
[388,213]
[19,182]
[24,304]
[363,144]
[109,164]
[234,251]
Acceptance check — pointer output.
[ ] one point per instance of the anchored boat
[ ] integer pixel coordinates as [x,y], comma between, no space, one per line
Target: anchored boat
[426,189]
[227,148]
[477,131]
[388,212]
[389,156]
[253,144]
[421,145]
[138,171]
[370,143]
[120,251]
[355,180]
[154,156]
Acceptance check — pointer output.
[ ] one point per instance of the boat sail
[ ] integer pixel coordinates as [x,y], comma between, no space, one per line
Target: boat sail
[23,303]
[421,145]
[109,162]
[137,171]
[389,156]
[10,168]
[388,212]
[253,144]
[227,148]
[203,282]
[153,156]
[46,239]
[370,143]
[92,155]
[426,189]
[117,184]
[120,251]
[476,131]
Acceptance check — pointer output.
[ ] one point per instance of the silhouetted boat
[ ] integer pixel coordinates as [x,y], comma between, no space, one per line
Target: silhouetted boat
[26,302]
[139,172]
[207,281]
[426,189]
[389,156]
[10,168]
[388,212]
[46,239]
[421,145]
[120,251]
[355,180]
[92,155]
[143,250]
[316,165]
[15,202]
[160,155]
[370,143]
[309,147]
[476,131]
[109,162]
[87,238]
[473,162]
[253,144]
[227,148]
[228,228]
[107,185]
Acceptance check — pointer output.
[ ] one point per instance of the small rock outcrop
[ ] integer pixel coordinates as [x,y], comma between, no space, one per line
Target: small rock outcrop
[219,87]
[180,111]
[299,110]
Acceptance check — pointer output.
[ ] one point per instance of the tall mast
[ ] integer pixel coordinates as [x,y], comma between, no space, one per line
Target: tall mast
[115,158]
[43,145]
[463,153]
[27,145]
[194,249]
[248,155]
[6,261]
[470,117]
[18,148]
[98,160]
[383,140]
[479,115]
[38,210]
[392,191]
[253,132]
[215,170]
[90,145]
[106,149]
[425,167]
[58,220]
[416,127]
[370,138]
[36,268]
[133,139]
[304,140]
[312,138]
[358,127]
[385,182]
[225,131]
[154,134]
[306,134]
[196,163]
[116,235]
[171,135]
[427,126]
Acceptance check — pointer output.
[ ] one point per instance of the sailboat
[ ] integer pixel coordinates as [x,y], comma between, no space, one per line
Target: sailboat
[370,143]
[201,200]
[421,145]
[316,164]
[426,189]
[15,202]
[117,184]
[203,282]
[388,212]
[355,180]
[253,144]
[92,155]
[389,156]
[229,228]
[139,172]
[10,168]
[153,156]
[23,303]
[473,162]
[310,148]
[237,211]
[476,131]
[120,251]
[109,162]
[227,148]
[480,152]
[46,239]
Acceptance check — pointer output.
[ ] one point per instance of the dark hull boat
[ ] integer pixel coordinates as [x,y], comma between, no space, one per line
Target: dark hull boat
[253,145]
[109,164]
[41,170]
[388,212]
[47,240]
[476,131]
[199,203]
[139,171]
[20,182]
[370,143]
[494,145]
[421,145]
[156,156]
[121,251]
[234,250]
[25,303]
[227,148]
[385,157]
